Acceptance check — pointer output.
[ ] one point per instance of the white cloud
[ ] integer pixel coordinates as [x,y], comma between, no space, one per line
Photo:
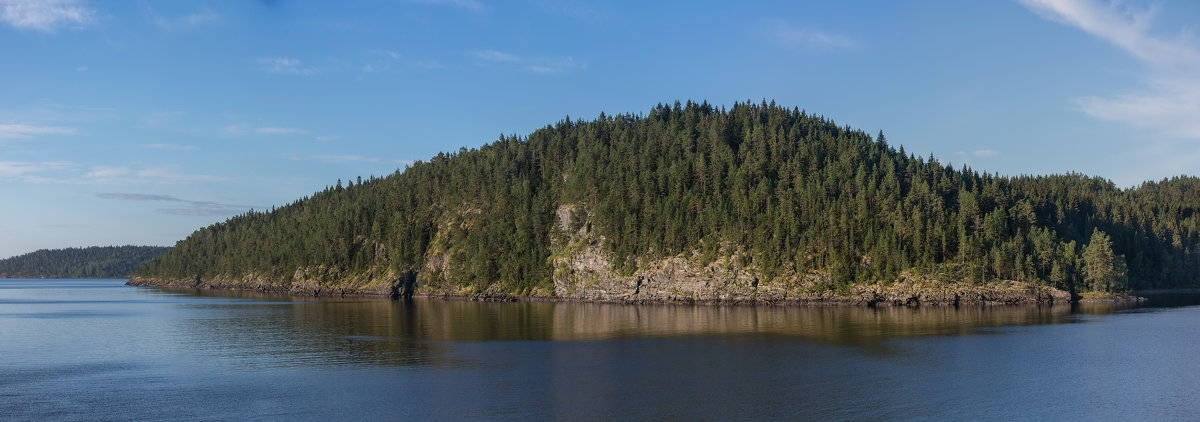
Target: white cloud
[553,66]
[44,15]
[107,172]
[790,36]
[267,130]
[176,147]
[19,168]
[474,6]
[62,172]
[577,9]
[384,60]
[985,153]
[280,131]
[339,158]
[203,17]
[284,65]
[1170,100]
[536,65]
[495,56]
[171,175]
[21,131]
[146,175]
[389,54]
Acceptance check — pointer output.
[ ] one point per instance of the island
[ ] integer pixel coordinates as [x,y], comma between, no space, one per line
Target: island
[694,203]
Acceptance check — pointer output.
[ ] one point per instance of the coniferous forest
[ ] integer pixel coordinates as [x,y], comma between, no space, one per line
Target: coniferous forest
[788,190]
[89,262]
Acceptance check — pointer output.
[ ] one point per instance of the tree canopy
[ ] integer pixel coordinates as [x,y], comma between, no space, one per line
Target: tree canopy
[89,262]
[789,190]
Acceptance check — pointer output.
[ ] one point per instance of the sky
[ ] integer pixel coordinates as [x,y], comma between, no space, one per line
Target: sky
[138,122]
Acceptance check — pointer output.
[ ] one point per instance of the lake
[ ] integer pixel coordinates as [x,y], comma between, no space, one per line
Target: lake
[99,350]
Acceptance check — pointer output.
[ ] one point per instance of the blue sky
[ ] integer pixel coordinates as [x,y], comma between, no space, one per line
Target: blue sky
[137,122]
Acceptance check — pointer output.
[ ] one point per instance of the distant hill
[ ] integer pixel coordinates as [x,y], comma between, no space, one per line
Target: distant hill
[90,262]
[694,202]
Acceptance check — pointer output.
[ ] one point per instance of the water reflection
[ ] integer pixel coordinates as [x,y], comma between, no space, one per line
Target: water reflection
[258,329]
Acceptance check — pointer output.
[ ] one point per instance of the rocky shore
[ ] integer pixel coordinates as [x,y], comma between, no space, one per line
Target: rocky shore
[584,272]
[1010,293]
[1118,299]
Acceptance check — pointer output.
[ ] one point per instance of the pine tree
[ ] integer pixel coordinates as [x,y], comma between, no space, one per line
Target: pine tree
[1104,271]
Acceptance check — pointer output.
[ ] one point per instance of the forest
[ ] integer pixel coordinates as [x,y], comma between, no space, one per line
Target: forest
[89,262]
[788,190]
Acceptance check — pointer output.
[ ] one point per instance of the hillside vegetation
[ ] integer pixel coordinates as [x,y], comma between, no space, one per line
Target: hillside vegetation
[788,197]
[90,262]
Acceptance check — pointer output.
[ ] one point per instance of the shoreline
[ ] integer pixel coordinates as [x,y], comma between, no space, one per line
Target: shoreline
[1180,291]
[62,278]
[861,296]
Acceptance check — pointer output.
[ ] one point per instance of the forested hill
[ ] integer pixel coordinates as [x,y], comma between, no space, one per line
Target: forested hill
[90,262]
[790,197]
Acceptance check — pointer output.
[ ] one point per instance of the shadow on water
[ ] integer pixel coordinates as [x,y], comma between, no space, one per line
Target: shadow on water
[421,331]
[1155,301]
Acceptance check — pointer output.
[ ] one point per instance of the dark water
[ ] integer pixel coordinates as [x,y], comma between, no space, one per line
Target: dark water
[98,350]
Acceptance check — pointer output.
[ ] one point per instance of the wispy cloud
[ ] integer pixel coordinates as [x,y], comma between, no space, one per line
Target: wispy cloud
[284,65]
[794,37]
[193,208]
[577,9]
[495,56]
[21,168]
[64,172]
[339,158]
[44,15]
[536,65]
[351,158]
[1170,100]
[553,66]
[983,153]
[145,175]
[280,131]
[389,54]
[203,17]
[265,130]
[22,131]
[474,6]
[107,172]
[383,60]
[172,175]
[176,147]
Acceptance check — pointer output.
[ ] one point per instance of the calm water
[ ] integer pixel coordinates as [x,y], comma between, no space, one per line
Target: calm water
[98,350]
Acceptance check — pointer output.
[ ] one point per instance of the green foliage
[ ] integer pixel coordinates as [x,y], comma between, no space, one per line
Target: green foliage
[90,262]
[794,191]
[1103,270]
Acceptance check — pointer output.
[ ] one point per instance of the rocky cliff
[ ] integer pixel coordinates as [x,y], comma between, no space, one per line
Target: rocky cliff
[584,271]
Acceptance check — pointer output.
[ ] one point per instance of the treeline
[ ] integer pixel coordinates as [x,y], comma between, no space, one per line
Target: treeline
[790,191]
[89,262]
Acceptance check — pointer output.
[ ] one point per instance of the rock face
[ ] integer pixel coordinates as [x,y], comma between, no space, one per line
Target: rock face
[584,271]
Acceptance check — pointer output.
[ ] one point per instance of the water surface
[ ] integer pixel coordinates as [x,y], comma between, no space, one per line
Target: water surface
[99,350]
